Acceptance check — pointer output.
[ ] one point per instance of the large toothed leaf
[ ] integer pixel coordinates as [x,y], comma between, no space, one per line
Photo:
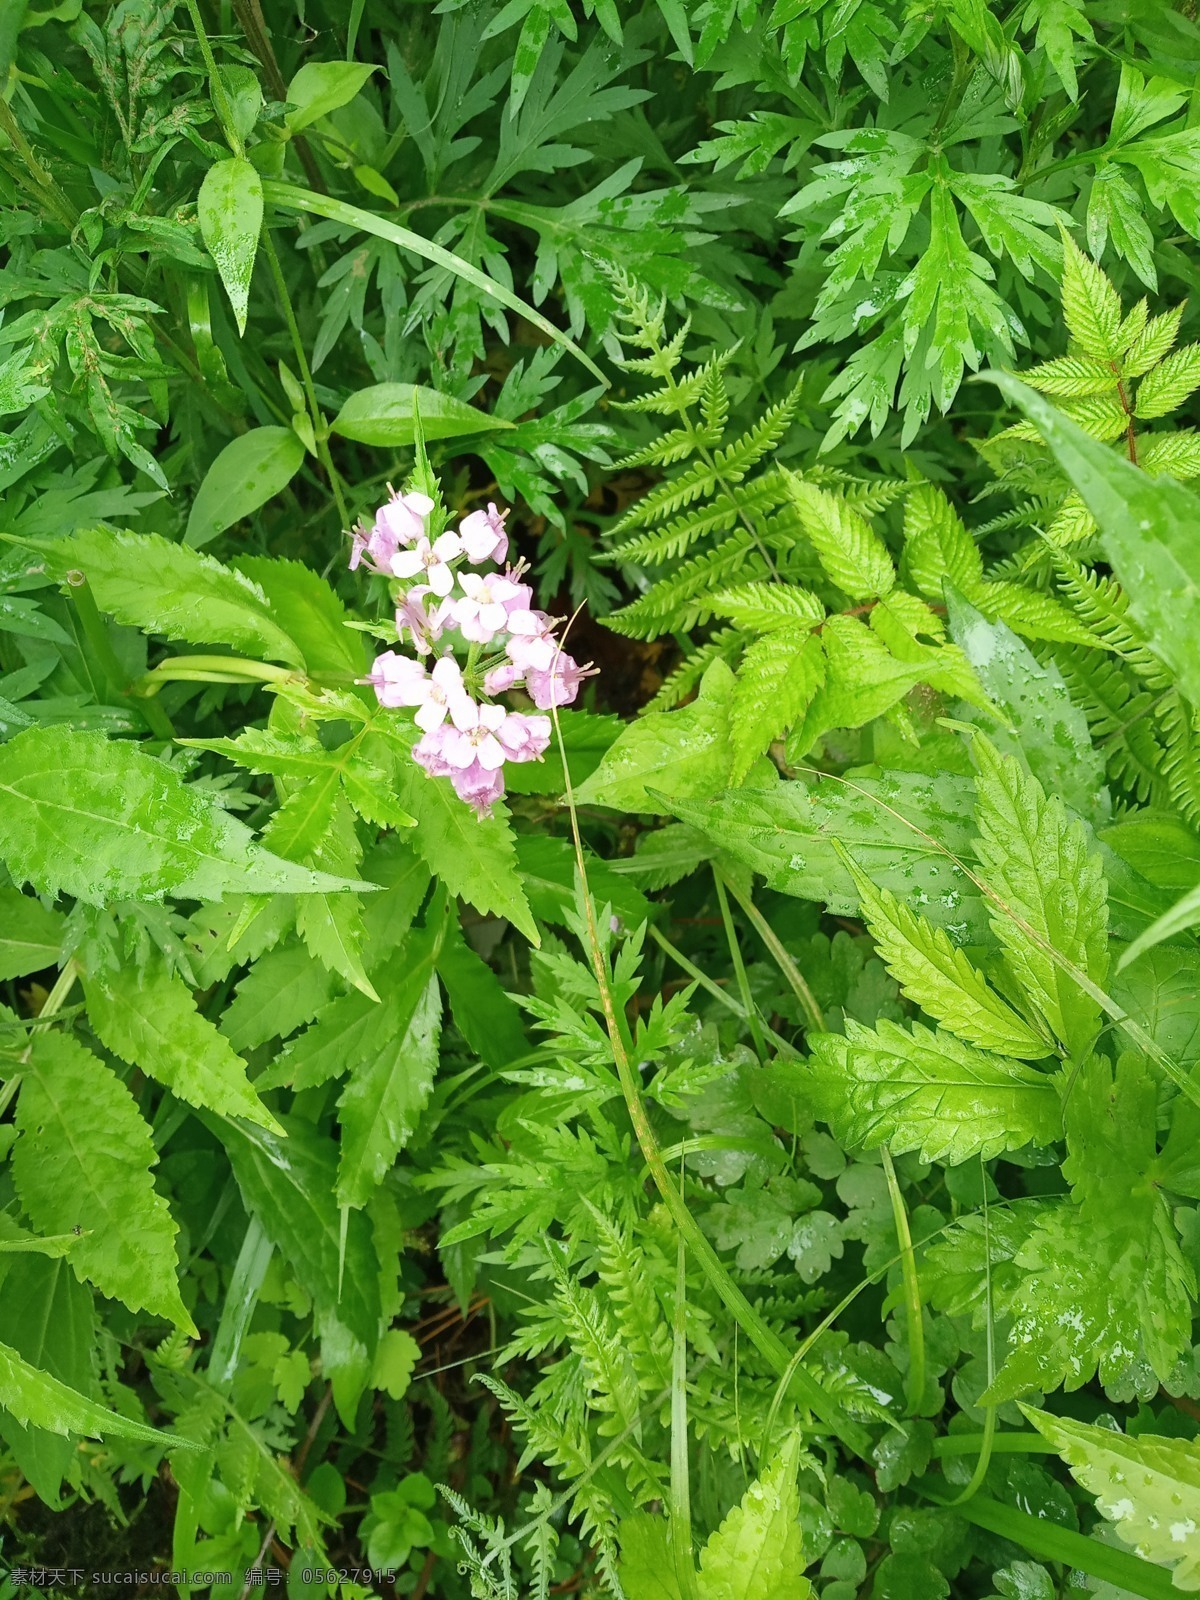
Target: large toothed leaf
[99,819]
[918,1090]
[1147,1485]
[152,583]
[83,1160]
[146,1016]
[39,1400]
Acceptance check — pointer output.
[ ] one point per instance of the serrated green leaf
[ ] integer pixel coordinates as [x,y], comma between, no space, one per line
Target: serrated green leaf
[148,582]
[786,833]
[777,679]
[39,1400]
[283,990]
[230,211]
[1148,529]
[1049,732]
[1147,1485]
[1106,1285]
[757,1552]
[937,545]
[145,1015]
[1042,867]
[309,611]
[248,472]
[939,977]
[761,607]
[1167,386]
[1091,306]
[384,1095]
[99,819]
[925,1091]
[474,857]
[83,1160]
[853,555]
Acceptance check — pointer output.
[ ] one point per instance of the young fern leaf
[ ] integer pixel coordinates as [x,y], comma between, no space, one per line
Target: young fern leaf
[940,979]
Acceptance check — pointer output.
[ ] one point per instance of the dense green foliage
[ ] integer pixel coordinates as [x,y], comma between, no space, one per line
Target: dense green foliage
[760,1155]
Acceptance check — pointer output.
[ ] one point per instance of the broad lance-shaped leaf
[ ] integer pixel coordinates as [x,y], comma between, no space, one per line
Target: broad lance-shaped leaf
[787,831]
[385,1094]
[83,1160]
[289,1185]
[919,1090]
[41,1401]
[245,475]
[1148,529]
[851,552]
[230,212]
[1048,879]
[30,935]
[146,1016]
[101,820]
[1049,732]
[48,1318]
[161,587]
[684,752]
[938,976]
[1147,1485]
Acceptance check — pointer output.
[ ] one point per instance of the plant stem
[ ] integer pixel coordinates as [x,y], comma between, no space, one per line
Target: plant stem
[739,967]
[912,1288]
[320,429]
[796,979]
[804,1387]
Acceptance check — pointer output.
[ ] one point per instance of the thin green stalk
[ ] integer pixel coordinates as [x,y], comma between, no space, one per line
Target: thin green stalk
[681,1498]
[739,967]
[912,1289]
[714,989]
[979,1475]
[795,978]
[1003,1444]
[806,1390]
[1049,1541]
[320,427]
[209,669]
[216,83]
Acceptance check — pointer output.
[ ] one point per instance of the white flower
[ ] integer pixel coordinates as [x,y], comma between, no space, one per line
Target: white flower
[433,560]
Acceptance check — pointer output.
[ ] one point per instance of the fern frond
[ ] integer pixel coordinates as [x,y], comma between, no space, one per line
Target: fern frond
[721,514]
[1119,715]
[1181,759]
[680,601]
[760,607]
[1103,607]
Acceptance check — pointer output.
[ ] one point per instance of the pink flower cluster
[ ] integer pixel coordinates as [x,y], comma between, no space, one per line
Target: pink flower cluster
[509,644]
